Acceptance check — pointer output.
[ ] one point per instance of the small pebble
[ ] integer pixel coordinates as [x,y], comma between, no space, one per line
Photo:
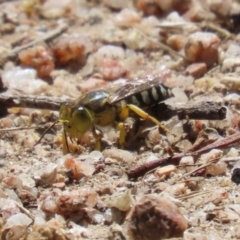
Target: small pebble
[60,185]
[24,80]
[165,171]
[155,216]
[122,156]
[116,4]
[188,160]
[177,42]
[205,83]
[216,169]
[230,64]
[196,69]
[212,155]
[127,17]
[202,47]
[40,58]
[232,83]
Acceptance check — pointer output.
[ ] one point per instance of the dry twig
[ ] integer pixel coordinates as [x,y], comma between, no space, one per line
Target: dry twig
[162,46]
[24,210]
[230,159]
[38,102]
[199,110]
[199,168]
[216,28]
[202,110]
[145,167]
[193,194]
[48,36]
[16,129]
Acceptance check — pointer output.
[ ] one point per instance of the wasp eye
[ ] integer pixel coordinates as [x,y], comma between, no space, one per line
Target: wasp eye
[81,113]
[81,119]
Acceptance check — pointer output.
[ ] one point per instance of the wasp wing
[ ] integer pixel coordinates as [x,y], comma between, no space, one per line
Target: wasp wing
[130,89]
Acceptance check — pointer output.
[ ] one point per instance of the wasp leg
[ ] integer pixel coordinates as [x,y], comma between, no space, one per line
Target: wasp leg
[124,113]
[97,134]
[146,116]
[65,148]
[122,135]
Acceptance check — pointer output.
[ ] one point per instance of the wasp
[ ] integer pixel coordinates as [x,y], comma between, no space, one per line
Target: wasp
[102,108]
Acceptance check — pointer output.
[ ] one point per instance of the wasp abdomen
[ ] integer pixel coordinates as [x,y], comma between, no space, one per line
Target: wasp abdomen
[150,96]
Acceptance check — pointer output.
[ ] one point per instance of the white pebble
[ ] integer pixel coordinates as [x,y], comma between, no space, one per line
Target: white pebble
[18,219]
[45,174]
[216,169]
[122,156]
[213,154]
[109,51]
[27,181]
[96,155]
[188,160]
[127,17]
[233,152]
[122,201]
[232,51]
[23,80]
[230,64]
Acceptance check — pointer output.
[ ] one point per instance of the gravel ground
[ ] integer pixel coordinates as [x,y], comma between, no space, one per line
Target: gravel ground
[180,184]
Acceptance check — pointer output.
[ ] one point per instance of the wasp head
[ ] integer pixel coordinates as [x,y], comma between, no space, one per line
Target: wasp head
[76,120]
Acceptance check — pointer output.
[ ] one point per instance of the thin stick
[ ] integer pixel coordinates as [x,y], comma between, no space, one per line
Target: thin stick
[16,129]
[141,169]
[193,194]
[230,159]
[38,102]
[163,46]
[199,168]
[24,210]
[216,28]
[48,36]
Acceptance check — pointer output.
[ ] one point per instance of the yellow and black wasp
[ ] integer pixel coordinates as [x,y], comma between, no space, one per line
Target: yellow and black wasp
[101,108]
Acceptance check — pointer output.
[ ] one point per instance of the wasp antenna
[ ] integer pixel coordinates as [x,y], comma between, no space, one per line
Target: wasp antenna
[40,139]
